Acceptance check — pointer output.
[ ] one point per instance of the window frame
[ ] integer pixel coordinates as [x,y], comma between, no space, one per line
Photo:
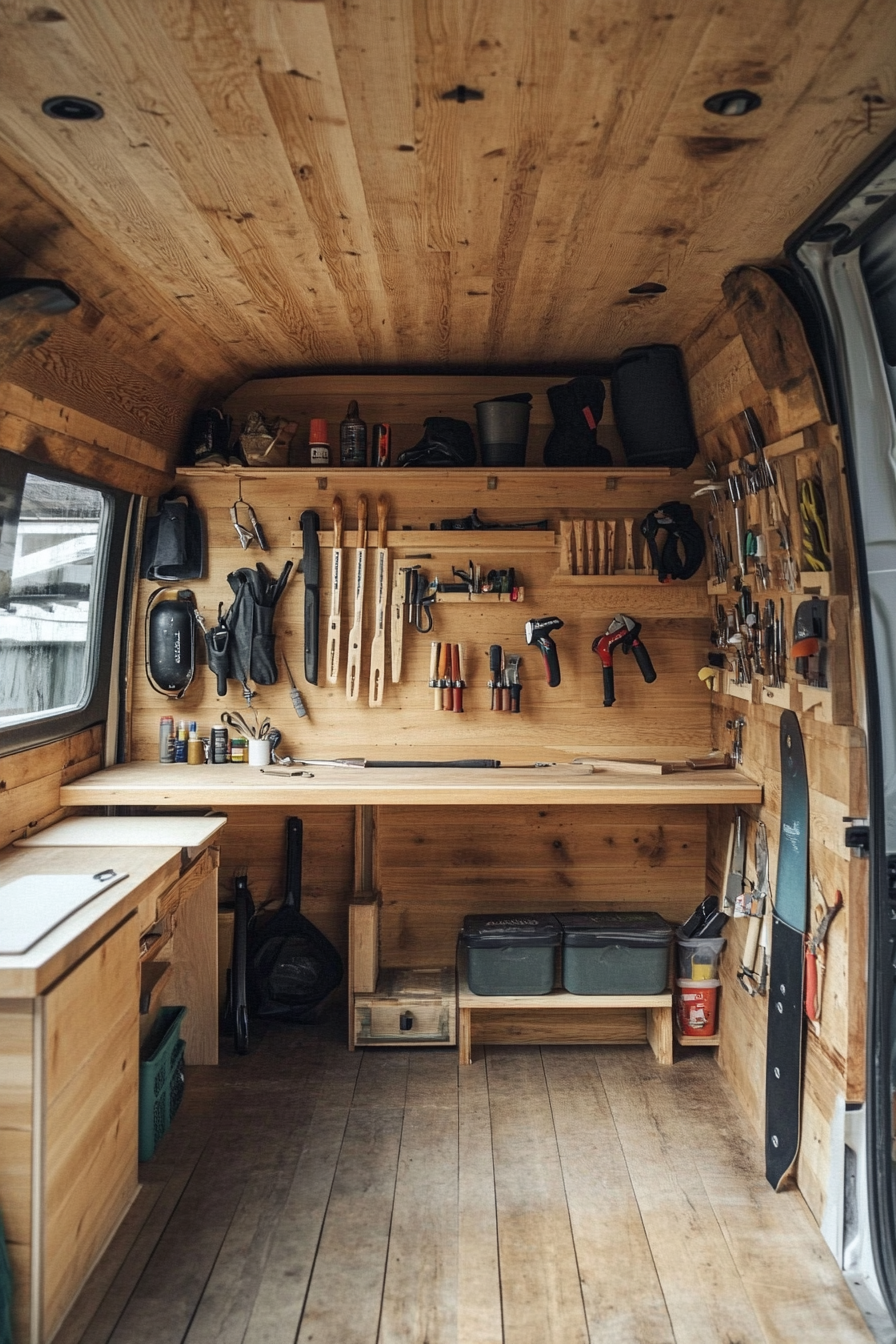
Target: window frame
[56,725]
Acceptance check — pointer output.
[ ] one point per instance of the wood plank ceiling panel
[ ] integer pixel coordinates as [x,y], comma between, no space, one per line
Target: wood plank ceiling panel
[292,184]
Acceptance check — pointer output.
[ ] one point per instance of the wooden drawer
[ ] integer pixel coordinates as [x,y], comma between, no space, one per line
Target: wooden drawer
[409,1007]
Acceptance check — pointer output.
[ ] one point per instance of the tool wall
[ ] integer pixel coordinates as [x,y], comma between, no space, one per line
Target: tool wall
[801,446]
[459,861]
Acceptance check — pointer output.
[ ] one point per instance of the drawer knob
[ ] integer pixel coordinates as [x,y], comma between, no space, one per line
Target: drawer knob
[406,1022]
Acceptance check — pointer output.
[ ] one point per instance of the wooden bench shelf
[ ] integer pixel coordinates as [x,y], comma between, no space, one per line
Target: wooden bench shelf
[657,1011]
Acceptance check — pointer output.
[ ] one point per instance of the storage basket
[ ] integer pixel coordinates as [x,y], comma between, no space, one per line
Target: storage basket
[161,1080]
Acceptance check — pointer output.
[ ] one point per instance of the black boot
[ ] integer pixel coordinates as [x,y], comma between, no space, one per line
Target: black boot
[445,443]
[577,407]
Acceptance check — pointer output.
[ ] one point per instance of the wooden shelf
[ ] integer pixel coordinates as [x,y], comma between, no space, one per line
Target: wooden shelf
[657,1010]
[383,478]
[622,578]
[697,1040]
[489,539]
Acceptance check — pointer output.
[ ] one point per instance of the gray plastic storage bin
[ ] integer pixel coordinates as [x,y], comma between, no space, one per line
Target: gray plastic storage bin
[510,954]
[615,952]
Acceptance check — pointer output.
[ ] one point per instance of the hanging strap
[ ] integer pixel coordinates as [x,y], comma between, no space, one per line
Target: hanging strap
[683,549]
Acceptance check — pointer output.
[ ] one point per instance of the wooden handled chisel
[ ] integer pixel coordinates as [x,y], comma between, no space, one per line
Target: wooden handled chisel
[399,585]
[380,580]
[334,630]
[353,671]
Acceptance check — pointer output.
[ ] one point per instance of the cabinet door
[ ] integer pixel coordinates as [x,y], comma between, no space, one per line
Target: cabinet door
[91,1043]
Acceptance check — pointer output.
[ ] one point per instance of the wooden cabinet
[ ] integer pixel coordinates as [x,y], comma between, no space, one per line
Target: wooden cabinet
[68,1126]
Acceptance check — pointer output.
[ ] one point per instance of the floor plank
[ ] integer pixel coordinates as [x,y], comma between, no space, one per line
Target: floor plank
[790,1277]
[704,1294]
[420,1290]
[562,1195]
[345,1293]
[540,1291]
[280,1299]
[611,1244]
[478,1276]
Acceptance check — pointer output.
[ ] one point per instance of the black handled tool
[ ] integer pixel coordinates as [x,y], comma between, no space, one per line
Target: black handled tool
[310,524]
[539,632]
[622,630]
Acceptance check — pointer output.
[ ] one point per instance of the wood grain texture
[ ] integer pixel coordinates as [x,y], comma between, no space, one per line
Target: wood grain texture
[90,1122]
[30,780]
[193,953]
[285,185]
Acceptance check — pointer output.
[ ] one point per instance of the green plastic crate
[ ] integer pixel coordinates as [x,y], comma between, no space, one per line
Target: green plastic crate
[161,1080]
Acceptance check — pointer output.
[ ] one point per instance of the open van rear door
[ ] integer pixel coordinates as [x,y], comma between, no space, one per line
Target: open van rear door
[846,260]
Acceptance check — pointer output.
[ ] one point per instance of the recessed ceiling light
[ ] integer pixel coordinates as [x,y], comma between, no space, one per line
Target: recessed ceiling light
[733,103]
[649,287]
[68,107]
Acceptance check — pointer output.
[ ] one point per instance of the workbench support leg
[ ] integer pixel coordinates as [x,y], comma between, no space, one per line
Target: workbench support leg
[659,1033]
[464,1036]
[365,869]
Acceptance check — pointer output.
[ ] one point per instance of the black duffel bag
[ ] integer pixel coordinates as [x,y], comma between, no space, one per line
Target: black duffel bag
[651,407]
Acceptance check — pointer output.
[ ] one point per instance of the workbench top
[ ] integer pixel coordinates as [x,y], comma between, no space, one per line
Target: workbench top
[149,784]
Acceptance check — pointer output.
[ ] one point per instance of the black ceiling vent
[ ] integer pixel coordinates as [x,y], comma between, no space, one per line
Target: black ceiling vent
[463,95]
[733,103]
[649,287]
[68,107]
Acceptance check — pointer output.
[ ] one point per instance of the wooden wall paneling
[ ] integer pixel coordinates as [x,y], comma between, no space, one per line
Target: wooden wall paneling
[723,382]
[254,840]
[568,719]
[438,864]
[30,780]
[19,435]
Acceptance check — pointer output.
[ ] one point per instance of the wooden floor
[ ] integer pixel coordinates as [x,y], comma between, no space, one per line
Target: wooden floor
[543,1196]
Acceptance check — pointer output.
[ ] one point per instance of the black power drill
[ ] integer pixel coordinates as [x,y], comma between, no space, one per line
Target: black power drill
[539,632]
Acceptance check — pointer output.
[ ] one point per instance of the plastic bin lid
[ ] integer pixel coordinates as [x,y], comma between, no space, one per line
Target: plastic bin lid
[504,930]
[600,927]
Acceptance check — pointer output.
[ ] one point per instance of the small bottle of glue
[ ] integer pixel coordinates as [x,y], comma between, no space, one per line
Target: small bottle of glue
[319,443]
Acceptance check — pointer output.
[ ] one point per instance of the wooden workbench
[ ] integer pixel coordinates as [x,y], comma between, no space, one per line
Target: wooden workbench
[150,784]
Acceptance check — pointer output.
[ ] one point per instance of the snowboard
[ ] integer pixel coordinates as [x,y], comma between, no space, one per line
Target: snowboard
[784,1041]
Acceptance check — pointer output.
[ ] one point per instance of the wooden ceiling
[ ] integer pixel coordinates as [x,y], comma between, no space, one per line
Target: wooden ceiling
[280,185]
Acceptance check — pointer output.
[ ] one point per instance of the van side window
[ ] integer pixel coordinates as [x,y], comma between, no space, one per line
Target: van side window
[58,569]
[48,605]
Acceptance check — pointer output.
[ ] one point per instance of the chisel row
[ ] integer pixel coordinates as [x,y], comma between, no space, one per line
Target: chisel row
[589,546]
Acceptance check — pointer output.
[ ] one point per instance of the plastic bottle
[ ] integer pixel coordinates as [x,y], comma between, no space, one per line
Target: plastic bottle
[166,739]
[319,443]
[353,439]
[195,750]
[180,745]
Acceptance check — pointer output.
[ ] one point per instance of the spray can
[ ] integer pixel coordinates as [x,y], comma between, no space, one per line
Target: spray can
[195,750]
[381,450]
[166,739]
[353,439]
[319,443]
[180,744]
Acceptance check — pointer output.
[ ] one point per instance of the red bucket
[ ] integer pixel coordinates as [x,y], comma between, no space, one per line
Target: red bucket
[696,1006]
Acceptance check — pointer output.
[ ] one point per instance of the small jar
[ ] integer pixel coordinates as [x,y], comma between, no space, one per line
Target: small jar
[238,752]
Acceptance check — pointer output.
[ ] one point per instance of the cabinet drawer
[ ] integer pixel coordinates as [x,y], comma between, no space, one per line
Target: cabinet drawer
[383,1022]
[408,1007]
